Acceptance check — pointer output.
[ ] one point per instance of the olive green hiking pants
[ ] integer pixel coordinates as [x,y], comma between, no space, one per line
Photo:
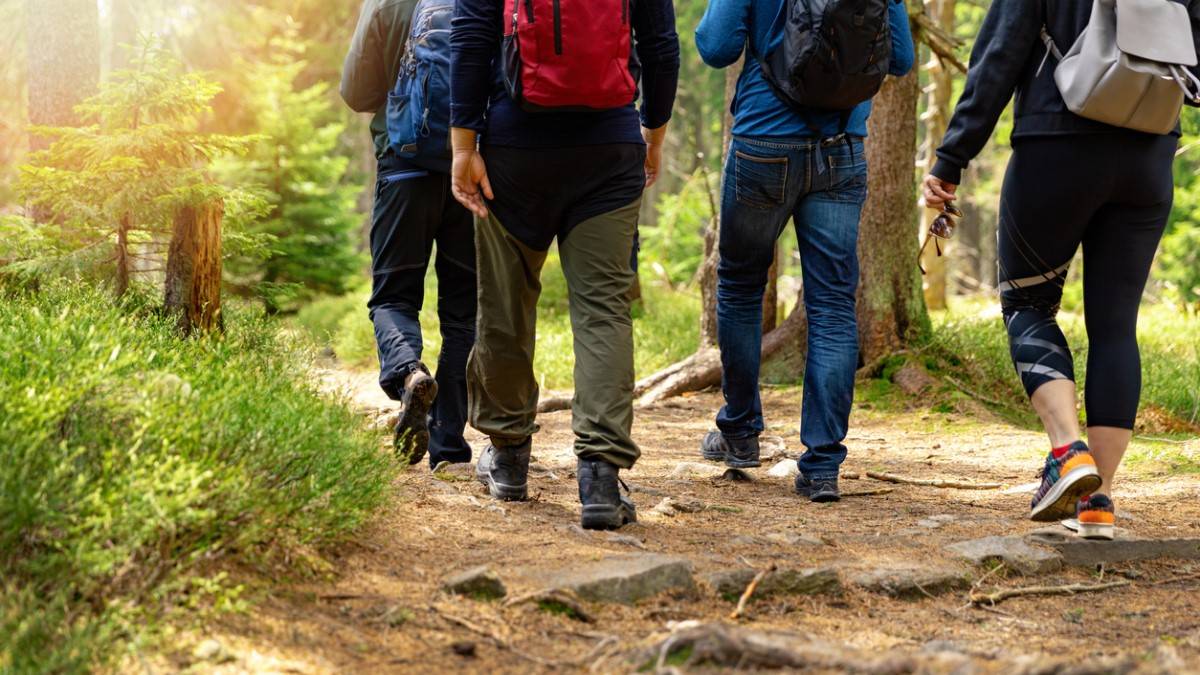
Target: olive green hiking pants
[502,391]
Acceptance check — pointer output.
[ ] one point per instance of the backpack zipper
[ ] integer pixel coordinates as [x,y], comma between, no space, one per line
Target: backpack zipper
[558,45]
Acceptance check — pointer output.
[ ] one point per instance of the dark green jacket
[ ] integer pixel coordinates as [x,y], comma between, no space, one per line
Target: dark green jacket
[373,63]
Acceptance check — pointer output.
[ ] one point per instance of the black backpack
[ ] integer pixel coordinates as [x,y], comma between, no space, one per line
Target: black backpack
[835,53]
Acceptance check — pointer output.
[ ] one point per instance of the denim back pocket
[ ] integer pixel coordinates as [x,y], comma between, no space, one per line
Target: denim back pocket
[761,182]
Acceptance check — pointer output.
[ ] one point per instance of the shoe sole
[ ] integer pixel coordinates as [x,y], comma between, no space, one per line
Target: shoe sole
[502,491]
[412,430]
[1098,531]
[742,463]
[713,456]
[1060,502]
[825,497]
[607,517]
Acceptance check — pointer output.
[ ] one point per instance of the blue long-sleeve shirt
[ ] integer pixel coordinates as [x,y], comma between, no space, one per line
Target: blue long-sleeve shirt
[725,30]
[479,101]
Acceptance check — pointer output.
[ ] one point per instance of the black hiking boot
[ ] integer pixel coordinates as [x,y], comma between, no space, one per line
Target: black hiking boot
[604,507]
[412,429]
[820,491]
[505,471]
[739,453]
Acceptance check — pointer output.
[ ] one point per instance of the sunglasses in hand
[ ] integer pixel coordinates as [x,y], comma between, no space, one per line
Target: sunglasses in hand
[941,229]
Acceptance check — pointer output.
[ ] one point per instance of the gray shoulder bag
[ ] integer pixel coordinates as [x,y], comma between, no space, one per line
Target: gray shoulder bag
[1129,67]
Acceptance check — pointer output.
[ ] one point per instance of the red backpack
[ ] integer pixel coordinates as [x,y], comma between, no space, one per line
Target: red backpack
[568,54]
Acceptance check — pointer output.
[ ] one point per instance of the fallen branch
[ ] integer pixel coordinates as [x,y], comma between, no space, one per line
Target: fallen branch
[937,483]
[974,394]
[1069,589]
[554,404]
[868,493]
[565,599]
[749,592]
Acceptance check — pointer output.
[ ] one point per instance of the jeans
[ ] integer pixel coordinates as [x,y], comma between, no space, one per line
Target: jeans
[414,210]
[822,186]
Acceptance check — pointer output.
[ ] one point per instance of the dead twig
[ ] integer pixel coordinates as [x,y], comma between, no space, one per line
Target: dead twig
[1069,589]
[749,592]
[974,394]
[1173,580]
[497,640]
[561,598]
[937,483]
[869,493]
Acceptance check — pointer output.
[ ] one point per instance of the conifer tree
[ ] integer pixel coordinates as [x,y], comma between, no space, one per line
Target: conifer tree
[313,222]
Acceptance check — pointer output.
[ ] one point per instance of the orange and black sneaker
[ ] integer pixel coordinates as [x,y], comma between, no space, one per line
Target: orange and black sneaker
[1095,518]
[1069,475]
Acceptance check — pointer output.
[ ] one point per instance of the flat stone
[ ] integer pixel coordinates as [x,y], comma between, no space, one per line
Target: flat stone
[477,582]
[626,540]
[731,583]
[786,468]
[212,651]
[621,579]
[911,582]
[1085,553]
[1014,552]
[697,470]
[669,506]
[736,476]
[934,522]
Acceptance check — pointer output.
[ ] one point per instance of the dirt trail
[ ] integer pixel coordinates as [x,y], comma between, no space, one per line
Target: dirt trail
[384,611]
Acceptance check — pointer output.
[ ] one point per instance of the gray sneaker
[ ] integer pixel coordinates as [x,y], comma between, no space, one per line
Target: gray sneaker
[740,453]
[820,491]
[505,471]
[604,507]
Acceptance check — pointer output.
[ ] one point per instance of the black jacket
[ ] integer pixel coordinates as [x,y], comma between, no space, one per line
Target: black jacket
[1008,52]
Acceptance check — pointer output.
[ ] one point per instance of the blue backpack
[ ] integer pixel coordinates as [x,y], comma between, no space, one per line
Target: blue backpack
[418,111]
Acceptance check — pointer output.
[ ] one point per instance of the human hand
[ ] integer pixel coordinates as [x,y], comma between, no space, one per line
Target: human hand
[937,193]
[468,174]
[655,138]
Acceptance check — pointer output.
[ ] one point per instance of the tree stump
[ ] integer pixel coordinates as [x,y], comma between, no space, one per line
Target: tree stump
[193,283]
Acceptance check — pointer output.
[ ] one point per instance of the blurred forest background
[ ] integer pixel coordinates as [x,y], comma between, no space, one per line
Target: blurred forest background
[124,123]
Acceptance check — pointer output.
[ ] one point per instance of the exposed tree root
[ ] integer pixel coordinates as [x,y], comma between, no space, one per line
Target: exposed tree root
[565,600]
[938,483]
[724,646]
[1069,589]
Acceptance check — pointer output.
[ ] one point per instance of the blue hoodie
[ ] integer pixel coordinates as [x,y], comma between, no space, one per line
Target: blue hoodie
[757,109]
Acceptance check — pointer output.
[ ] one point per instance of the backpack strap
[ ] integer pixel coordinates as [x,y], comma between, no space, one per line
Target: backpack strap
[1051,49]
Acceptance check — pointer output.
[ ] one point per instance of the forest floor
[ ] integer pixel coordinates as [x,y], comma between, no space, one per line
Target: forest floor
[877,589]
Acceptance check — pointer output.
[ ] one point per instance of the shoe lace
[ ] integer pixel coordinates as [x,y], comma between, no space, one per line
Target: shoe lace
[624,485]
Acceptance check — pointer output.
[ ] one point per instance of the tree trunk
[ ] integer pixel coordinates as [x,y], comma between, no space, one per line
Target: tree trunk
[937,118]
[891,307]
[123,261]
[193,284]
[712,234]
[123,32]
[63,49]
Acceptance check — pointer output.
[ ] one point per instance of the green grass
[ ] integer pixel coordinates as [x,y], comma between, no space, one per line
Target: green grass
[971,340]
[666,328]
[138,468]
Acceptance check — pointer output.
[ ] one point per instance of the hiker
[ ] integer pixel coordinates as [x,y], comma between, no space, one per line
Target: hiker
[549,145]
[1091,165]
[400,44]
[796,155]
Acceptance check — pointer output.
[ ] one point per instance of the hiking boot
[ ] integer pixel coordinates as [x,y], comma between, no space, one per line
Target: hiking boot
[820,490]
[1068,476]
[1095,518]
[737,453]
[604,507]
[412,429]
[505,471]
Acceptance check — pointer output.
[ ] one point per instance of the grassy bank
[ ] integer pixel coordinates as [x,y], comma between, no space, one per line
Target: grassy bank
[139,468]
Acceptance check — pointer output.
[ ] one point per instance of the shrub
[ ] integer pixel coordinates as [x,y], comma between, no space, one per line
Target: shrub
[136,465]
